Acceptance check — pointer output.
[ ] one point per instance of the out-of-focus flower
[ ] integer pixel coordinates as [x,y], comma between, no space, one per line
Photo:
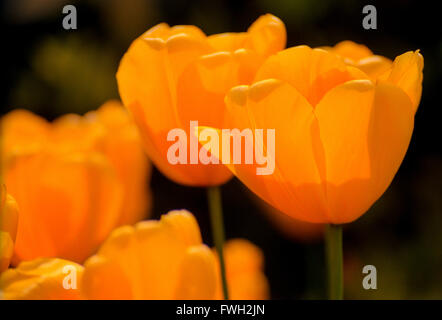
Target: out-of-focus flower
[69,202]
[244,270]
[21,130]
[110,131]
[122,145]
[153,260]
[173,75]
[42,279]
[8,227]
[340,137]
[74,177]
[360,56]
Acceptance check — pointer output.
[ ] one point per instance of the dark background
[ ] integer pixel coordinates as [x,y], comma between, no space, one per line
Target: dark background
[52,71]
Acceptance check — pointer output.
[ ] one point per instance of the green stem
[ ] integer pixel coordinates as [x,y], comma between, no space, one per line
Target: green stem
[216,217]
[333,245]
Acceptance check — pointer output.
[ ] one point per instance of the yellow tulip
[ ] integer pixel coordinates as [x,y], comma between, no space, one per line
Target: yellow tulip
[42,279]
[8,227]
[173,75]
[153,260]
[340,134]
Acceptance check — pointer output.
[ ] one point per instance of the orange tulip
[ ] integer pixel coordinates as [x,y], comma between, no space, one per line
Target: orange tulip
[69,202]
[42,279]
[154,260]
[173,75]
[8,227]
[244,270]
[57,167]
[340,135]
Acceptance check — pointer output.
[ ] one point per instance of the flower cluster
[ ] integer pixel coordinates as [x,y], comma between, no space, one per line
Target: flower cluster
[74,195]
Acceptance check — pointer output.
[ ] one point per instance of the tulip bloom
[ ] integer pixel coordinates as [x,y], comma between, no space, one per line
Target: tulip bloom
[244,270]
[153,260]
[8,227]
[173,75]
[69,202]
[340,134]
[57,167]
[42,279]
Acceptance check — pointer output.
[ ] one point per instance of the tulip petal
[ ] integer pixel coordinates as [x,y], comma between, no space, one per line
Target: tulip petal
[147,257]
[267,35]
[344,117]
[228,41]
[144,77]
[203,86]
[351,50]
[299,66]
[184,225]
[365,132]
[374,66]
[298,193]
[42,279]
[103,279]
[197,279]
[406,73]
[22,130]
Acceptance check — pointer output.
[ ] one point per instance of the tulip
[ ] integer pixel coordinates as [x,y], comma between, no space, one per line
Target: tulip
[96,153]
[244,268]
[153,260]
[69,202]
[340,137]
[173,75]
[8,227]
[42,279]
